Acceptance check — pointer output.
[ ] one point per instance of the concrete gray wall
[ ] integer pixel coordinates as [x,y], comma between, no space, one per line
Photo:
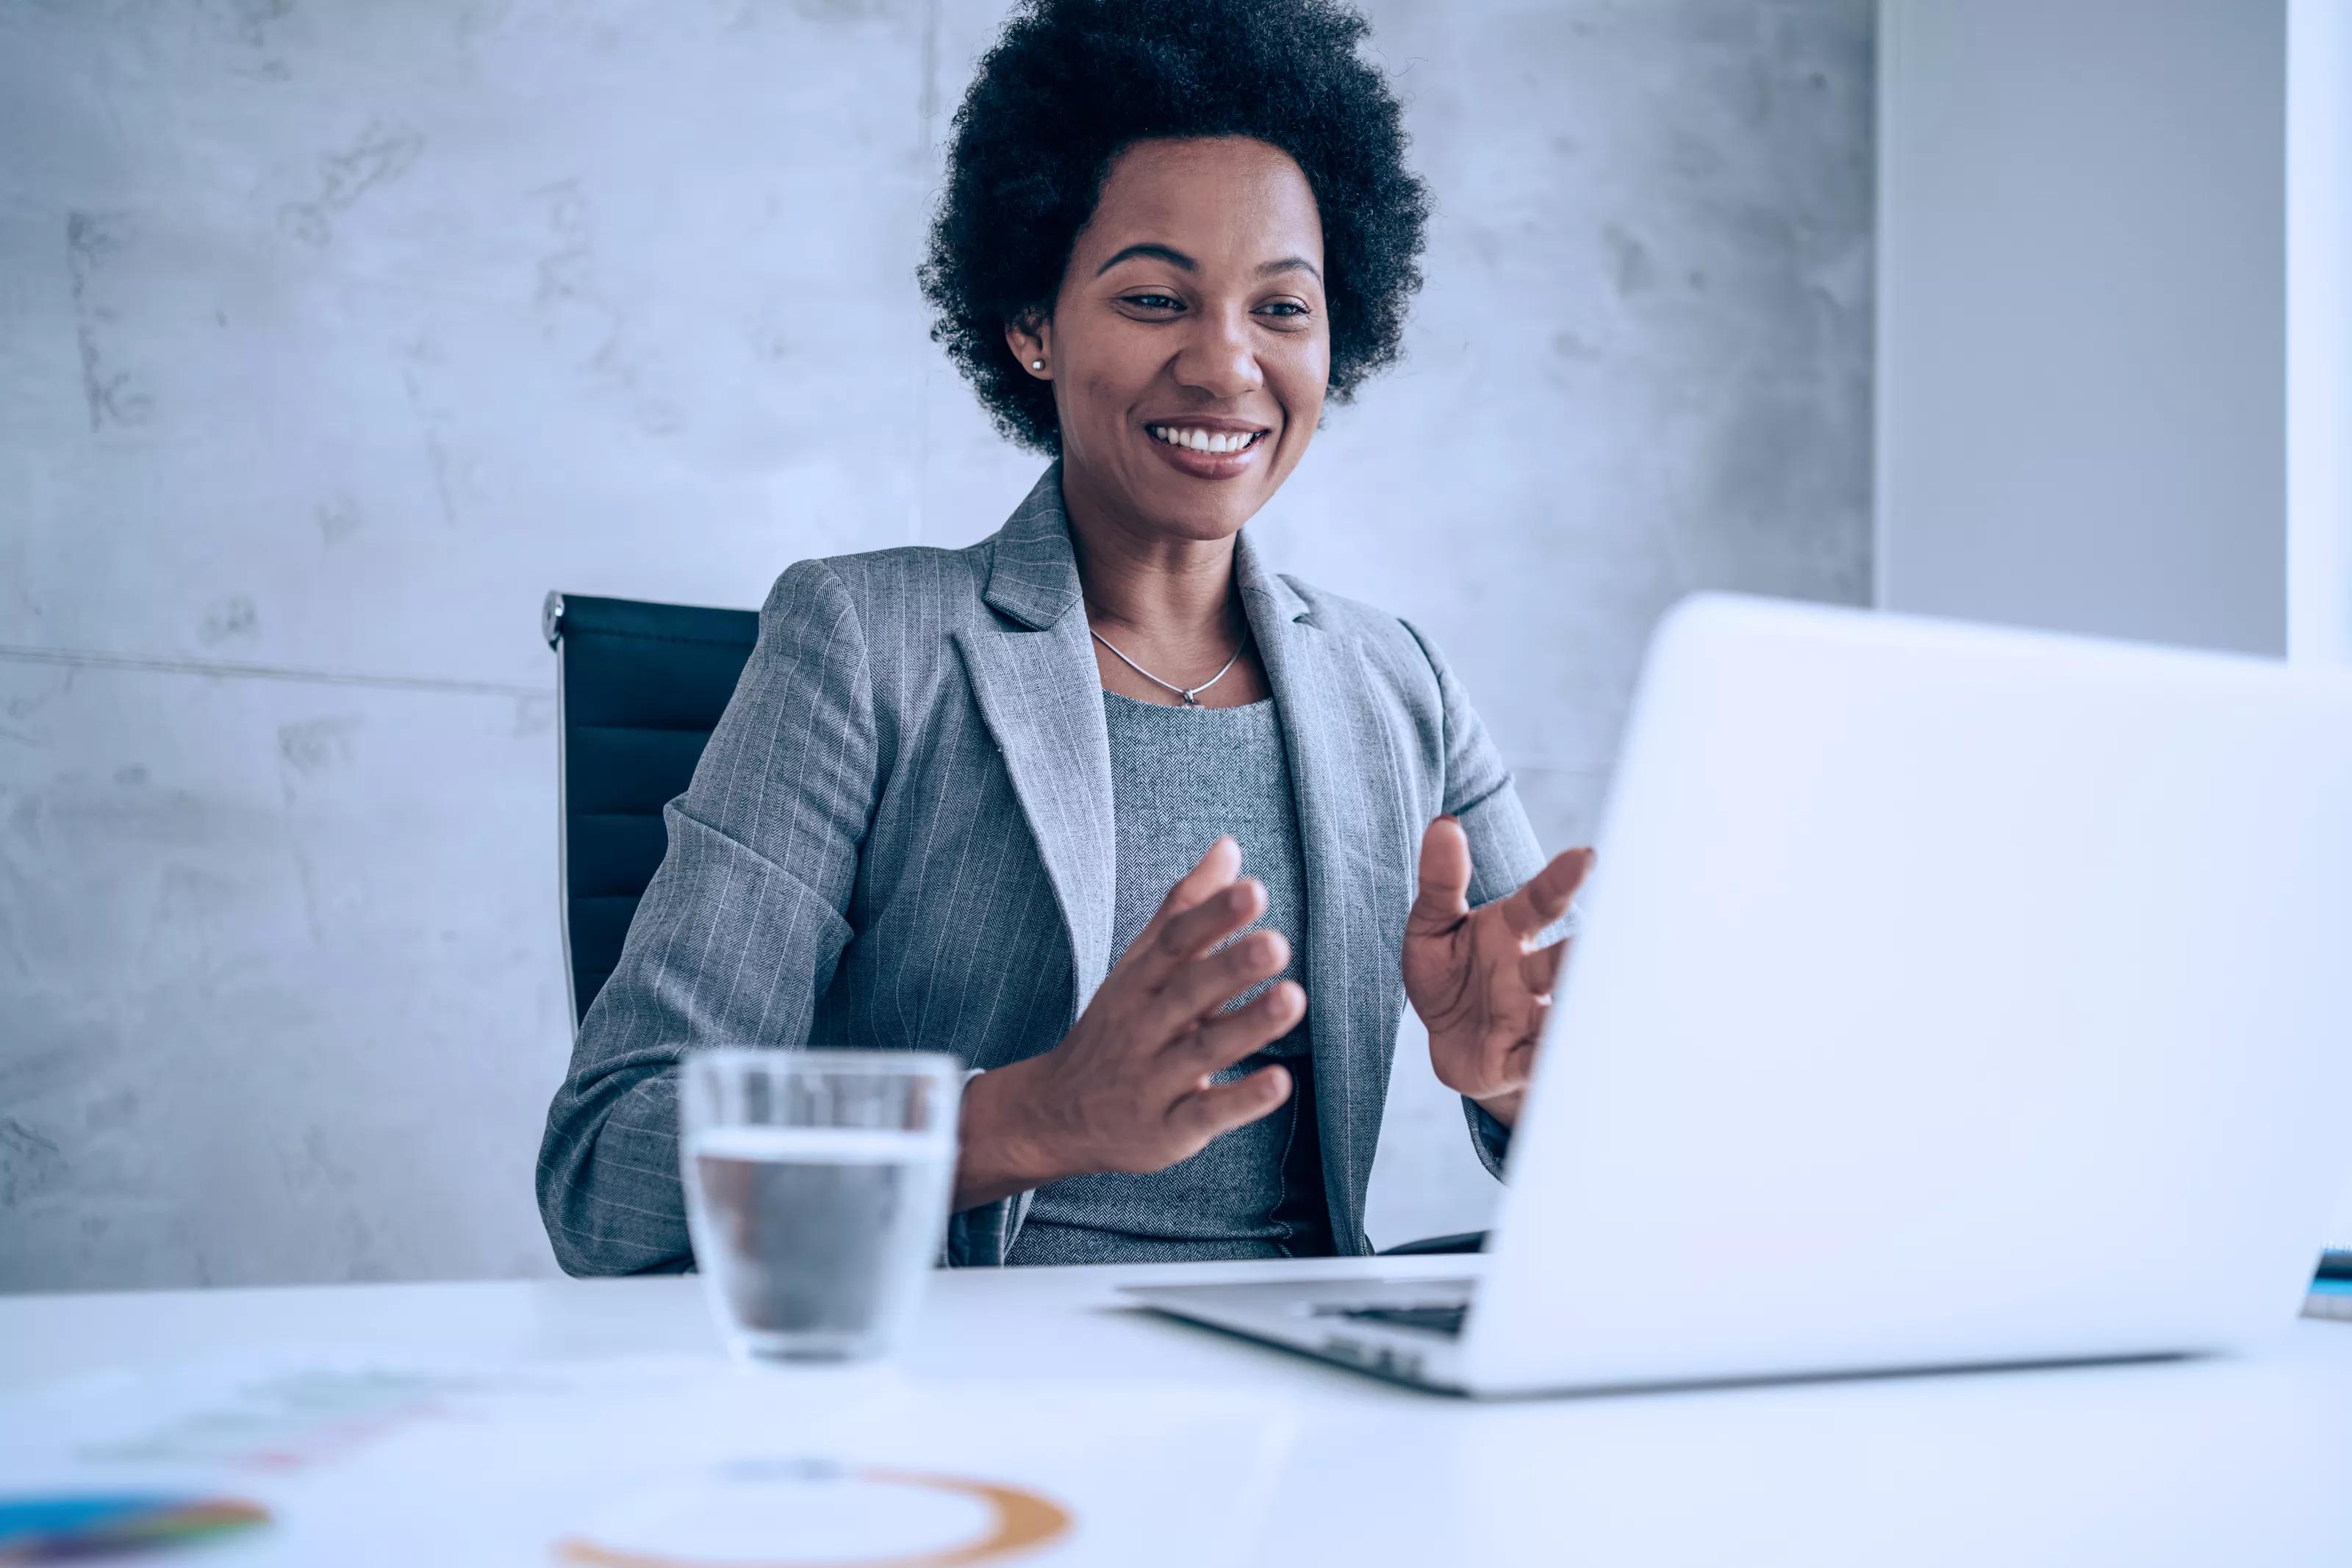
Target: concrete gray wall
[332,335]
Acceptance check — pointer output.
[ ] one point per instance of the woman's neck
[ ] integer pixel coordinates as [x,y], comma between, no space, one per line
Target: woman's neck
[1166,604]
[1143,581]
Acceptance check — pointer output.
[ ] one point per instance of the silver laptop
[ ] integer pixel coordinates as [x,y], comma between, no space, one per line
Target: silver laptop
[1948,997]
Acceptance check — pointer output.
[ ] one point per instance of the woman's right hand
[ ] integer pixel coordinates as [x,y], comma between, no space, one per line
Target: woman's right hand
[1129,1087]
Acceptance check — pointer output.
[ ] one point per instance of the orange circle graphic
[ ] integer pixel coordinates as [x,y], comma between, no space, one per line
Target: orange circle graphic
[1022,1518]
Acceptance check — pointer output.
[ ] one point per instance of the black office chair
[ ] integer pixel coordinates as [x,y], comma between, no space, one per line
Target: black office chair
[639,687]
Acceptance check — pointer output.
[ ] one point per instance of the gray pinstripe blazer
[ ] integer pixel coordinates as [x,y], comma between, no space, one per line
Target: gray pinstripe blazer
[900,837]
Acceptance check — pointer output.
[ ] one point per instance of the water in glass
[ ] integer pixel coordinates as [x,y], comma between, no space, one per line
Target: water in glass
[817,1187]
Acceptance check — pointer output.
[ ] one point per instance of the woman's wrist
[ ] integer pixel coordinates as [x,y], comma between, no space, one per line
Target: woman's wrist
[1503,1108]
[999,1154]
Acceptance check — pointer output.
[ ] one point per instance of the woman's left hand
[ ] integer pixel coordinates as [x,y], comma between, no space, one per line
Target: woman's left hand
[1474,974]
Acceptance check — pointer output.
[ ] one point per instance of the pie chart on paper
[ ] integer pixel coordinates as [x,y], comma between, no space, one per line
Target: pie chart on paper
[90,1527]
[817,1513]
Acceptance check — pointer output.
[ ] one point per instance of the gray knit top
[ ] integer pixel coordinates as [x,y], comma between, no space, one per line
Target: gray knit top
[1179,777]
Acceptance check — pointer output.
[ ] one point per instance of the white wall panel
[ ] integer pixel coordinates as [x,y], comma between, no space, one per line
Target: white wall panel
[2319,336]
[2081,342]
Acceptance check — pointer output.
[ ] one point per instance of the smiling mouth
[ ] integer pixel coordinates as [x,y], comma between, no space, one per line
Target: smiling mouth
[1208,441]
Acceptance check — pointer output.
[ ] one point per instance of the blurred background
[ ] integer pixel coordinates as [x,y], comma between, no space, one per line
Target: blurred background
[333,335]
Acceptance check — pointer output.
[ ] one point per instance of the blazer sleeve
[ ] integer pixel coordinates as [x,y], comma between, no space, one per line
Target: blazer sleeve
[1504,852]
[738,934]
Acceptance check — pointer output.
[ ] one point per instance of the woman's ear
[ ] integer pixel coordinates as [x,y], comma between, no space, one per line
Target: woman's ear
[1031,340]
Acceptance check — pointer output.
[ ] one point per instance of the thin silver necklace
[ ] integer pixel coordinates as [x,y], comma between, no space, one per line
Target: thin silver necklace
[1192,696]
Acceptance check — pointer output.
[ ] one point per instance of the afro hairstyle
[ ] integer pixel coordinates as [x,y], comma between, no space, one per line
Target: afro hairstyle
[1069,84]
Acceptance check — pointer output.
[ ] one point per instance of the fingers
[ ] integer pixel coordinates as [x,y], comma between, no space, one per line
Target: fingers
[1539,970]
[1215,870]
[1199,912]
[1216,1110]
[1207,984]
[1236,1036]
[1546,897]
[1218,865]
[1444,895]
[1212,919]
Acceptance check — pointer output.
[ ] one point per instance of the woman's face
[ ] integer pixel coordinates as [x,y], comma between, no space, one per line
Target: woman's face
[1191,314]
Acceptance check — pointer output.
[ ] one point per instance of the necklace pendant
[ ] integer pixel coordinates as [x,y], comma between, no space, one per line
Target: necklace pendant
[1190,698]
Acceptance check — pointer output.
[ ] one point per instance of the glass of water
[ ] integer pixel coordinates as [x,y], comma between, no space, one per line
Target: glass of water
[816,1192]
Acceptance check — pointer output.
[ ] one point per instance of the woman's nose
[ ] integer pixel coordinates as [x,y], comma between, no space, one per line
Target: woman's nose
[1218,357]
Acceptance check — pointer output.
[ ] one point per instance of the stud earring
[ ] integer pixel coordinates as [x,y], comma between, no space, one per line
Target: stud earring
[1037,364]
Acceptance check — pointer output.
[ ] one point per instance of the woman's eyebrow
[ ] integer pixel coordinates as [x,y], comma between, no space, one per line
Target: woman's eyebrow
[1175,257]
[1167,254]
[1290,264]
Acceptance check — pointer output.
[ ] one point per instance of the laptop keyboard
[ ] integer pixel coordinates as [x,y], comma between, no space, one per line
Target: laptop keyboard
[1444,1318]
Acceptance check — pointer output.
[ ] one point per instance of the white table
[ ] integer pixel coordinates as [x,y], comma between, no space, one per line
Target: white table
[2207,1462]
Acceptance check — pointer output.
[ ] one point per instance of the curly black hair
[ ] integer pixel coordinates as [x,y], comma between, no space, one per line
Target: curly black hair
[1071,83]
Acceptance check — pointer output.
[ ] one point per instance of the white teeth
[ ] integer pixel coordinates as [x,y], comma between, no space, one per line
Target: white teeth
[1201,440]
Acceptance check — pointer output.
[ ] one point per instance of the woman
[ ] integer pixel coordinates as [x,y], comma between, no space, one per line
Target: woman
[1100,802]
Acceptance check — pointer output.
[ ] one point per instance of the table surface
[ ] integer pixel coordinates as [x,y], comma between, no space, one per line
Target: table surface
[2202,1461]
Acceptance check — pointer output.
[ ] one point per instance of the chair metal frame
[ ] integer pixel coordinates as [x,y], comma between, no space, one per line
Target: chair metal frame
[551,626]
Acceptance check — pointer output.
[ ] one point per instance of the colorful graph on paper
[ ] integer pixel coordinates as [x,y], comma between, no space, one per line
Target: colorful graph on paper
[74,1527]
[297,1418]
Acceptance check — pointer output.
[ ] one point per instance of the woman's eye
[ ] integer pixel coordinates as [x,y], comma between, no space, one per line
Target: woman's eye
[1285,308]
[1153,301]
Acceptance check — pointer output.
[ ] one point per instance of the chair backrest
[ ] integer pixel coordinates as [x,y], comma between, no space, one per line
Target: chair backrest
[639,687]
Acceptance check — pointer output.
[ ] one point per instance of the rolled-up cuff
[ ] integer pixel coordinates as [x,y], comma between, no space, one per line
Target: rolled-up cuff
[982,1236]
[1488,1136]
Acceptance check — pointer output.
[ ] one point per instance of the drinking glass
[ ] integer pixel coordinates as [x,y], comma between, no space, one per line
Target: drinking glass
[816,1192]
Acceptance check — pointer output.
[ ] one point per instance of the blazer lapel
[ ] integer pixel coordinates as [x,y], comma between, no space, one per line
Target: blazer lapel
[1034,677]
[1033,674]
[1355,838]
